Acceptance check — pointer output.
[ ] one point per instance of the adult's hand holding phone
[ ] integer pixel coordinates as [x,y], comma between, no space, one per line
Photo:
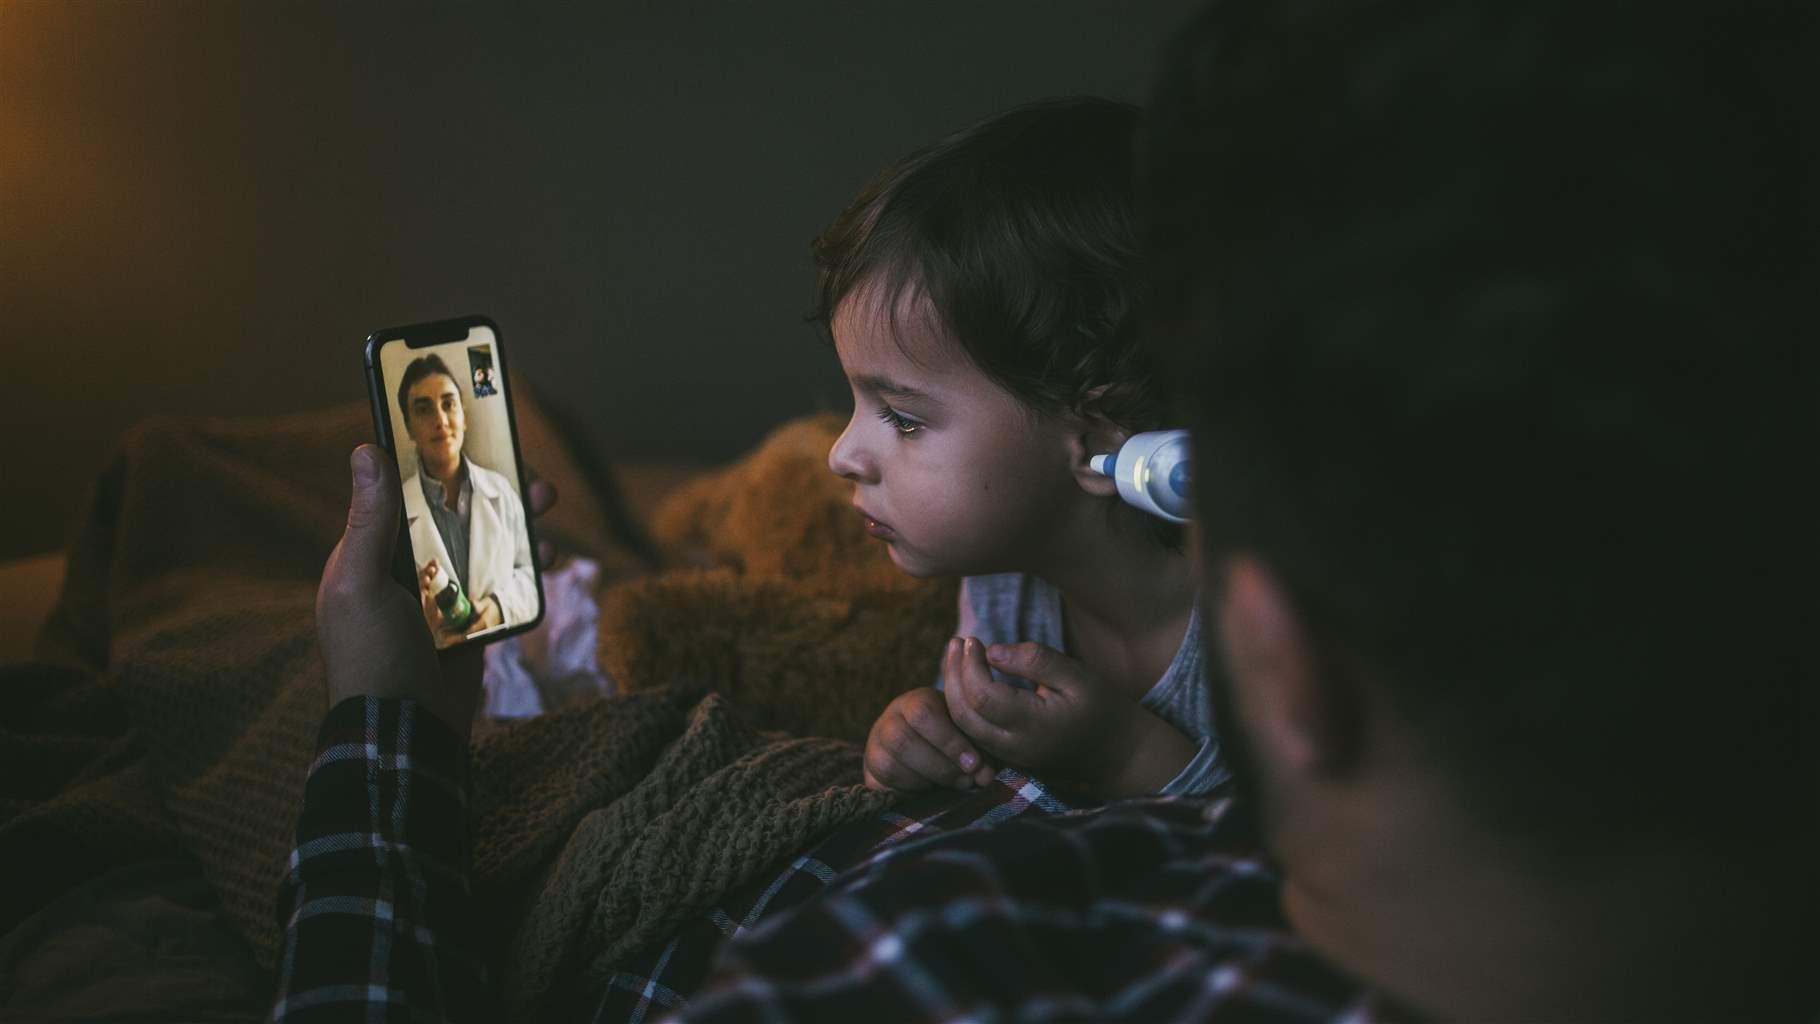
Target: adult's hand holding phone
[370,631]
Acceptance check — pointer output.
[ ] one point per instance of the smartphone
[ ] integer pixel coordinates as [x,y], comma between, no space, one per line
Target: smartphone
[441,408]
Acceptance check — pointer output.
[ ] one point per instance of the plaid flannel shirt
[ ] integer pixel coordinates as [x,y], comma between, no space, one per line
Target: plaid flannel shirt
[375,900]
[1151,910]
[1146,910]
[660,980]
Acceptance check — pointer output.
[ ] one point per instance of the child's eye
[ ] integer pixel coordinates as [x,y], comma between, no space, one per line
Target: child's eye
[899,422]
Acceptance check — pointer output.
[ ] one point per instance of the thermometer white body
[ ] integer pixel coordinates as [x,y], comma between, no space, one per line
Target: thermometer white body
[1153,472]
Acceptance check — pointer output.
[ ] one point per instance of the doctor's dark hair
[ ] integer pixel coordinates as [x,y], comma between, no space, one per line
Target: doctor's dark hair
[1490,321]
[421,367]
[1016,238]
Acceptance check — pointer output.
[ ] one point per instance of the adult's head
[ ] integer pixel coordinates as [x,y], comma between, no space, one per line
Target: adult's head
[433,413]
[1488,322]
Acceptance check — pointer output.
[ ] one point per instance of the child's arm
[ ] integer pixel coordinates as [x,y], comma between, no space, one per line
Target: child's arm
[1073,728]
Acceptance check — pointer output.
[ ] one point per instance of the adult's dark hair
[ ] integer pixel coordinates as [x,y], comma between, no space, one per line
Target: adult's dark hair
[1018,236]
[421,367]
[1490,320]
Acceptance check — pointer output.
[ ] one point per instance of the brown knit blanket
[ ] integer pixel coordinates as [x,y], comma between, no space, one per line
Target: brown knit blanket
[173,709]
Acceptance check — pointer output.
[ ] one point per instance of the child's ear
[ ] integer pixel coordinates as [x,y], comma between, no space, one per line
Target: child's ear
[1093,435]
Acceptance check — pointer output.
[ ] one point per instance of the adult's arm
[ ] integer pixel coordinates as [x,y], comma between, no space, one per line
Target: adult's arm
[375,903]
[1145,910]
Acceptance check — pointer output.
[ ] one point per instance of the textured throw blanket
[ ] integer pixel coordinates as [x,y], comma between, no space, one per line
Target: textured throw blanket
[172,712]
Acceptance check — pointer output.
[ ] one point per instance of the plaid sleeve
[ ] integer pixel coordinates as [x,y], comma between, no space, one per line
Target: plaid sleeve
[374,901]
[1143,911]
[663,979]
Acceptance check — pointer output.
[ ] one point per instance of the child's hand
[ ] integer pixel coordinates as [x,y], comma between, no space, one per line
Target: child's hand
[914,745]
[1072,728]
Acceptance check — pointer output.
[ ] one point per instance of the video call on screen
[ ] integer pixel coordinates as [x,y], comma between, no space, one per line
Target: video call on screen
[464,514]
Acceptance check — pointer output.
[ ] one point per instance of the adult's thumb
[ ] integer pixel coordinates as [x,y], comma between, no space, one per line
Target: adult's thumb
[372,511]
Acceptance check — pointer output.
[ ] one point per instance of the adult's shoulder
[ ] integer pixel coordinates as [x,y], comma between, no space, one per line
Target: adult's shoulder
[1133,910]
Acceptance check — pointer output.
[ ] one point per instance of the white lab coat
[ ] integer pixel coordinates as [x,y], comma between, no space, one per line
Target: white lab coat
[499,552]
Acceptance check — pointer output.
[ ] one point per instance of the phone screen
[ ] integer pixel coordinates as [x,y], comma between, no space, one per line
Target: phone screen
[443,387]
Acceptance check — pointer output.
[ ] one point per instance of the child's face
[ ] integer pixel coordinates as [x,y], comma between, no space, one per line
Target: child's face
[955,474]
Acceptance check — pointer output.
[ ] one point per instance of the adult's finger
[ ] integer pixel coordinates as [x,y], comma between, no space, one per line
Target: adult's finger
[365,551]
[543,496]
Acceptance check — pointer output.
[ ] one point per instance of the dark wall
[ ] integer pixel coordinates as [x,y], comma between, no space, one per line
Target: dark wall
[205,207]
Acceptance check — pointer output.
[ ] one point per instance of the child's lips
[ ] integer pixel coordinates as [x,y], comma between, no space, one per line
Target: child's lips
[883,531]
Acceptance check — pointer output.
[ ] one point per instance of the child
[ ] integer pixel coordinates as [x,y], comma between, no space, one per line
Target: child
[979,295]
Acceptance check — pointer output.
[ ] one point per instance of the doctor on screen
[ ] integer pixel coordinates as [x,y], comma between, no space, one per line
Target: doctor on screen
[467,524]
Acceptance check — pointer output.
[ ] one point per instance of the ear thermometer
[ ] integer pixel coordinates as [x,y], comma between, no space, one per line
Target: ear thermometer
[1152,471]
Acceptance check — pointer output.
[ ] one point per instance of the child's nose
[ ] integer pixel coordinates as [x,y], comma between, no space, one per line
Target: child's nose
[845,458]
